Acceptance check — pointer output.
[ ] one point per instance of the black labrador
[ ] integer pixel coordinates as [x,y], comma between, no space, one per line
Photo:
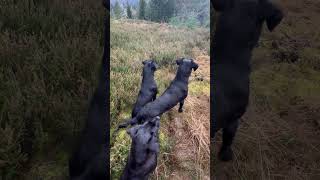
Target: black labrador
[237,33]
[142,159]
[174,94]
[148,90]
[89,158]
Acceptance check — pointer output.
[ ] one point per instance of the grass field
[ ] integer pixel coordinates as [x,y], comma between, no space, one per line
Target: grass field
[132,42]
[279,136]
[50,52]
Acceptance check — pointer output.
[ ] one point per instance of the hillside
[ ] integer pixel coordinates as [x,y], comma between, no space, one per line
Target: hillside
[279,136]
[131,43]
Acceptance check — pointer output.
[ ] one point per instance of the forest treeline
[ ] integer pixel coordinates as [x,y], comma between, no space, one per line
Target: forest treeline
[190,13]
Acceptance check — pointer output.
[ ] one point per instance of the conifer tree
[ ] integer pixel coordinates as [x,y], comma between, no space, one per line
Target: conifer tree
[142,9]
[129,12]
[117,10]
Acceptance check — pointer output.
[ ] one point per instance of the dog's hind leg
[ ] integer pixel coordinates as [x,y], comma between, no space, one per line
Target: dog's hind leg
[180,106]
[228,135]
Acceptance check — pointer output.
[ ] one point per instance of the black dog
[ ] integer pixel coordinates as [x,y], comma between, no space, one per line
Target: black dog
[144,151]
[237,33]
[89,160]
[175,93]
[149,90]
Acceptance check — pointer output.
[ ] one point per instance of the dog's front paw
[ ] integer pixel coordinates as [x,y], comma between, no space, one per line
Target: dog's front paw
[226,154]
[180,110]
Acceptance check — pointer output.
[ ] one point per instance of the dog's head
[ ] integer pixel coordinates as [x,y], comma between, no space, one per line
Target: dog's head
[150,64]
[144,140]
[243,19]
[186,65]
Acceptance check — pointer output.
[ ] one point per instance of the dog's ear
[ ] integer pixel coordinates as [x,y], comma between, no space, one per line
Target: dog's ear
[194,66]
[155,124]
[273,15]
[155,65]
[221,5]
[179,61]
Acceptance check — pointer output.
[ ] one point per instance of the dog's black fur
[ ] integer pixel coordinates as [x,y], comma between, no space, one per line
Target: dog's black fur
[89,159]
[144,151]
[148,91]
[90,156]
[175,93]
[237,33]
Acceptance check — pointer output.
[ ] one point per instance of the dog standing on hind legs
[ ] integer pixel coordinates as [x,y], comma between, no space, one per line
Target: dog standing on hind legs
[89,157]
[88,160]
[142,159]
[148,91]
[174,94]
[237,33]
